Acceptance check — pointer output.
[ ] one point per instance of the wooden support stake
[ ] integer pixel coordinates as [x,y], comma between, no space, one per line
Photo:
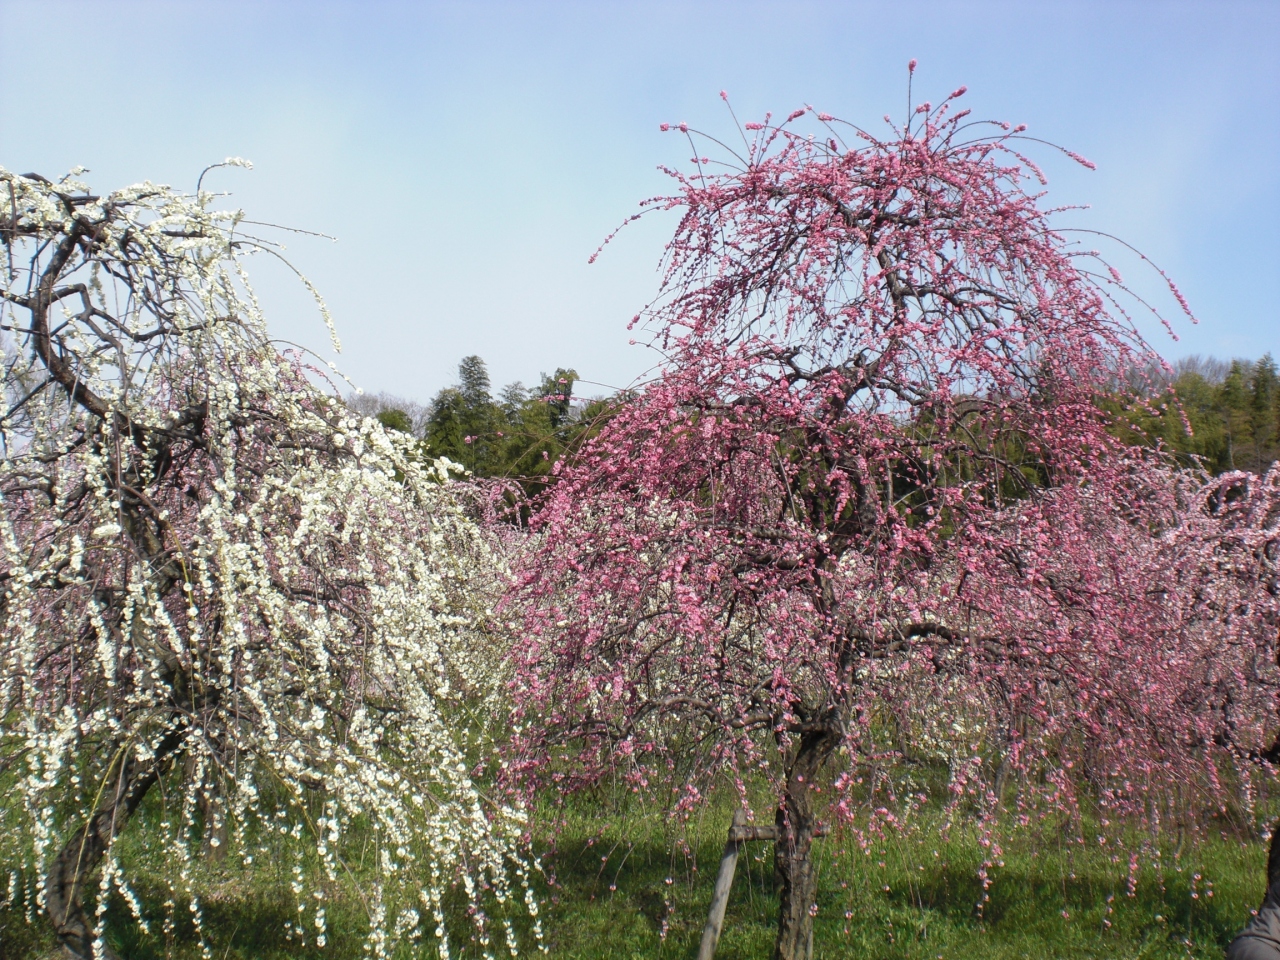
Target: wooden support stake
[724,880]
[739,833]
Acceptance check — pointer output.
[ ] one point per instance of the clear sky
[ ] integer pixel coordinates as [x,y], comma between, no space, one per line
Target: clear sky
[469,157]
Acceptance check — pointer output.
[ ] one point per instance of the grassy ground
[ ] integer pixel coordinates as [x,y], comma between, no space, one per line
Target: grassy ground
[622,893]
[626,886]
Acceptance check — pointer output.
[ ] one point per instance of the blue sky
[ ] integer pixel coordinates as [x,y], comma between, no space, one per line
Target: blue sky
[469,157]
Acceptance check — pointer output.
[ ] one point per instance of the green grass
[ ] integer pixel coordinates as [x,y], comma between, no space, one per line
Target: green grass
[626,884]
[910,895]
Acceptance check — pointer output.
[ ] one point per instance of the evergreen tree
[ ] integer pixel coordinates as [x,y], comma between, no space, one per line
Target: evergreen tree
[1235,405]
[1264,412]
[473,382]
[1223,416]
[520,435]
[464,423]
[512,398]
[539,428]
[395,419]
[444,431]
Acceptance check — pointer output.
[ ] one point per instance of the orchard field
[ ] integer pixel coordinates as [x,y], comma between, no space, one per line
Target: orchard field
[628,885]
[912,548]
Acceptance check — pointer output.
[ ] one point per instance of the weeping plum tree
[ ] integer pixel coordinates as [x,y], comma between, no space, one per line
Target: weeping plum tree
[219,587]
[872,489]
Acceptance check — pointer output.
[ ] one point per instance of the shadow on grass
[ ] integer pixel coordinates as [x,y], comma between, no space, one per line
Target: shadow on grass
[635,887]
[636,898]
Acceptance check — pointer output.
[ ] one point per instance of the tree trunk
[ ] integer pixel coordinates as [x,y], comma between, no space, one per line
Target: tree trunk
[797,826]
[214,845]
[80,856]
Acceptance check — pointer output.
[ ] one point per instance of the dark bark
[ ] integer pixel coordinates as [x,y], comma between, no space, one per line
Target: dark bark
[797,826]
[68,877]
[214,844]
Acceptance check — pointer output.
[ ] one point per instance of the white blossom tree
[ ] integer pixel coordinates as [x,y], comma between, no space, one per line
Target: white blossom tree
[218,581]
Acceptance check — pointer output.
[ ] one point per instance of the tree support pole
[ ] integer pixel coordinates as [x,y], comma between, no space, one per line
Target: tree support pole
[720,897]
[739,833]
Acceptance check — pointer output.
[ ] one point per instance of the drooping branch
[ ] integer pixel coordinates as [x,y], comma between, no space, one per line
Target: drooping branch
[195,537]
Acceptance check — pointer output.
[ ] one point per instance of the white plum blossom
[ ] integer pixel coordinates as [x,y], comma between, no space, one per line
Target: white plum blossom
[214,580]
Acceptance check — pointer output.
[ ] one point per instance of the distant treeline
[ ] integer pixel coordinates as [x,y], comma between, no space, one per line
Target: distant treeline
[520,433]
[1224,414]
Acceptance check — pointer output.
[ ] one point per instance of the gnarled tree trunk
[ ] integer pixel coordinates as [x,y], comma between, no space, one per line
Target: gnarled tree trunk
[81,855]
[797,826]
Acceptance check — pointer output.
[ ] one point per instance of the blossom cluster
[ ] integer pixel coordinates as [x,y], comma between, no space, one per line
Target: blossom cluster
[218,583]
[872,507]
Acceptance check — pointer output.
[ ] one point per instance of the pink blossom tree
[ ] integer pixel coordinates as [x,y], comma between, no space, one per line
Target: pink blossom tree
[872,486]
[218,583]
